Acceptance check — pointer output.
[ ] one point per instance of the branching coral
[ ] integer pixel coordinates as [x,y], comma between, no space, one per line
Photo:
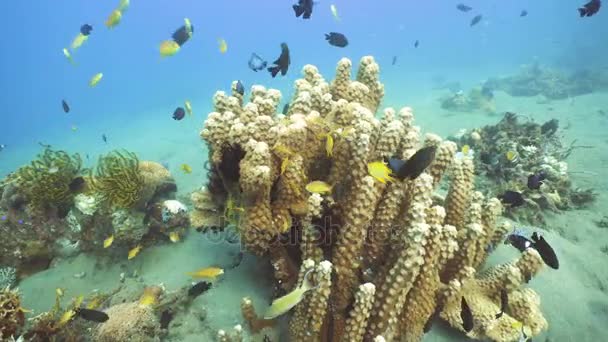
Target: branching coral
[12,317]
[383,257]
[118,179]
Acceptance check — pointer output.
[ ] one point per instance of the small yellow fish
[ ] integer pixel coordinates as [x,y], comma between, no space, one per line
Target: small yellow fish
[511,156]
[66,317]
[188,106]
[284,164]
[188,26]
[67,55]
[517,325]
[223,45]
[59,291]
[329,145]
[94,303]
[283,304]
[465,149]
[78,41]
[174,237]
[124,5]
[134,251]
[150,296]
[95,79]
[380,171]
[334,12]
[114,18]
[108,241]
[74,128]
[318,187]
[186,168]
[209,272]
[168,48]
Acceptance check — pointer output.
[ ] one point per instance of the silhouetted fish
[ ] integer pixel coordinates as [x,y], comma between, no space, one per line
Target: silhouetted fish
[413,167]
[546,251]
[285,109]
[550,127]
[65,106]
[199,288]
[513,198]
[240,88]
[590,8]
[303,8]
[179,113]
[416,43]
[394,60]
[504,302]
[77,184]
[165,318]
[282,63]
[104,138]
[181,35]
[256,63]
[476,20]
[86,29]
[466,315]
[92,315]
[523,13]
[517,240]
[336,39]
[535,180]
[463,8]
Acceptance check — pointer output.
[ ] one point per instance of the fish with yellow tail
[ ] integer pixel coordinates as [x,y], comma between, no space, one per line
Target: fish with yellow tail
[209,272]
[68,55]
[114,18]
[66,317]
[59,292]
[334,12]
[150,296]
[187,169]
[318,187]
[78,41]
[124,5]
[188,107]
[134,251]
[380,171]
[222,45]
[108,241]
[523,337]
[283,304]
[174,237]
[95,79]
[168,48]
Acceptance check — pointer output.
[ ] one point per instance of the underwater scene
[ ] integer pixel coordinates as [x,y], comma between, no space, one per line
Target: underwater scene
[302,170]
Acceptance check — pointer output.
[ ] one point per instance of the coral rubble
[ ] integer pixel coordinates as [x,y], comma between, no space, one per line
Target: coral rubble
[383,257]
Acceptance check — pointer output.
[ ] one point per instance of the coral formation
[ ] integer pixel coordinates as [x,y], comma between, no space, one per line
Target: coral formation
[383,257]
[478,98]
[534,148]
[8,277]
[12,317]
[118,180]
[129,322]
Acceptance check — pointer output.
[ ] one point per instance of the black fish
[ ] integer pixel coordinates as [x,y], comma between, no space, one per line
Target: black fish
[240,88]
[104,138]
[518,241]
[66,108]
[92,315]
[463,8]
[336,39]
[394,60]
[590,8]
[199,288]
[476,20]
[165,318]
[416,43]
[282,63]
[466,315]
[550,127]
[546,251]
[523,13]
[535,180]
[435,315]
[285,109]
[413,167]
[179,113]
[181,35]
[303,7]
[77,184]
[86,29]
[513,198]
[256,63]
[504,302]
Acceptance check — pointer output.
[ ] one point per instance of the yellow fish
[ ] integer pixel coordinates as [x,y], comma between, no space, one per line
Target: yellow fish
[186,168]
[188,26]
[334,12]
[223,45]
[67,55]
[380,171]
[59,291]
[318,187]
[124,5]
[134,251]
[114,18]
[149,297]
[283,304]
[95,79]
[78,301]
[74,128]
[168,48]
[66,317]
[188,106]
[78,41]
[465,149]
[284,164]
[174,237]
[94,304]
[329,145]
[209,272]
[108,241]
[511,156]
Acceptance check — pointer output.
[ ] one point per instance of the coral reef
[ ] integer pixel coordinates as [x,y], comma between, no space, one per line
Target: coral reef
[12,317]
[129,322]
[118,180]
[534,148]
[8,277]
[383,257]
[478,98]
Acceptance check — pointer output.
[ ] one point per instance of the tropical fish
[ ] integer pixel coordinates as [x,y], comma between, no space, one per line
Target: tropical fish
[184,33]
[334,12]
[523,337]
[545,250]
[67,55]
[186,168]
[413,167]
[86,29]
[518,240]
[282,63]
[512,156]
[283,304]
[188,106]
[78,41]
[590,8]
[504,302]
[133,252]
[199,288]
[114,18]
[78,301]
[94,304]
[463,8]
[165,318]
[59,292]
[394,61]
[318,187]
[124,5]
[523,13]
[95,79]
[66,317]
[179,113]
[336,39]
[168,48]
[256,63]
[240,88]
[74,128]
[174,237]
[92,315]
[513,198]
[108,241]
[65,106]
[209,272]
[188,27]
[380,171]
[536,179]
[303,8]
[329,145]
[104,138]
[149,297]
[466,315]
[550,127]
[223,46]
[476,20]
